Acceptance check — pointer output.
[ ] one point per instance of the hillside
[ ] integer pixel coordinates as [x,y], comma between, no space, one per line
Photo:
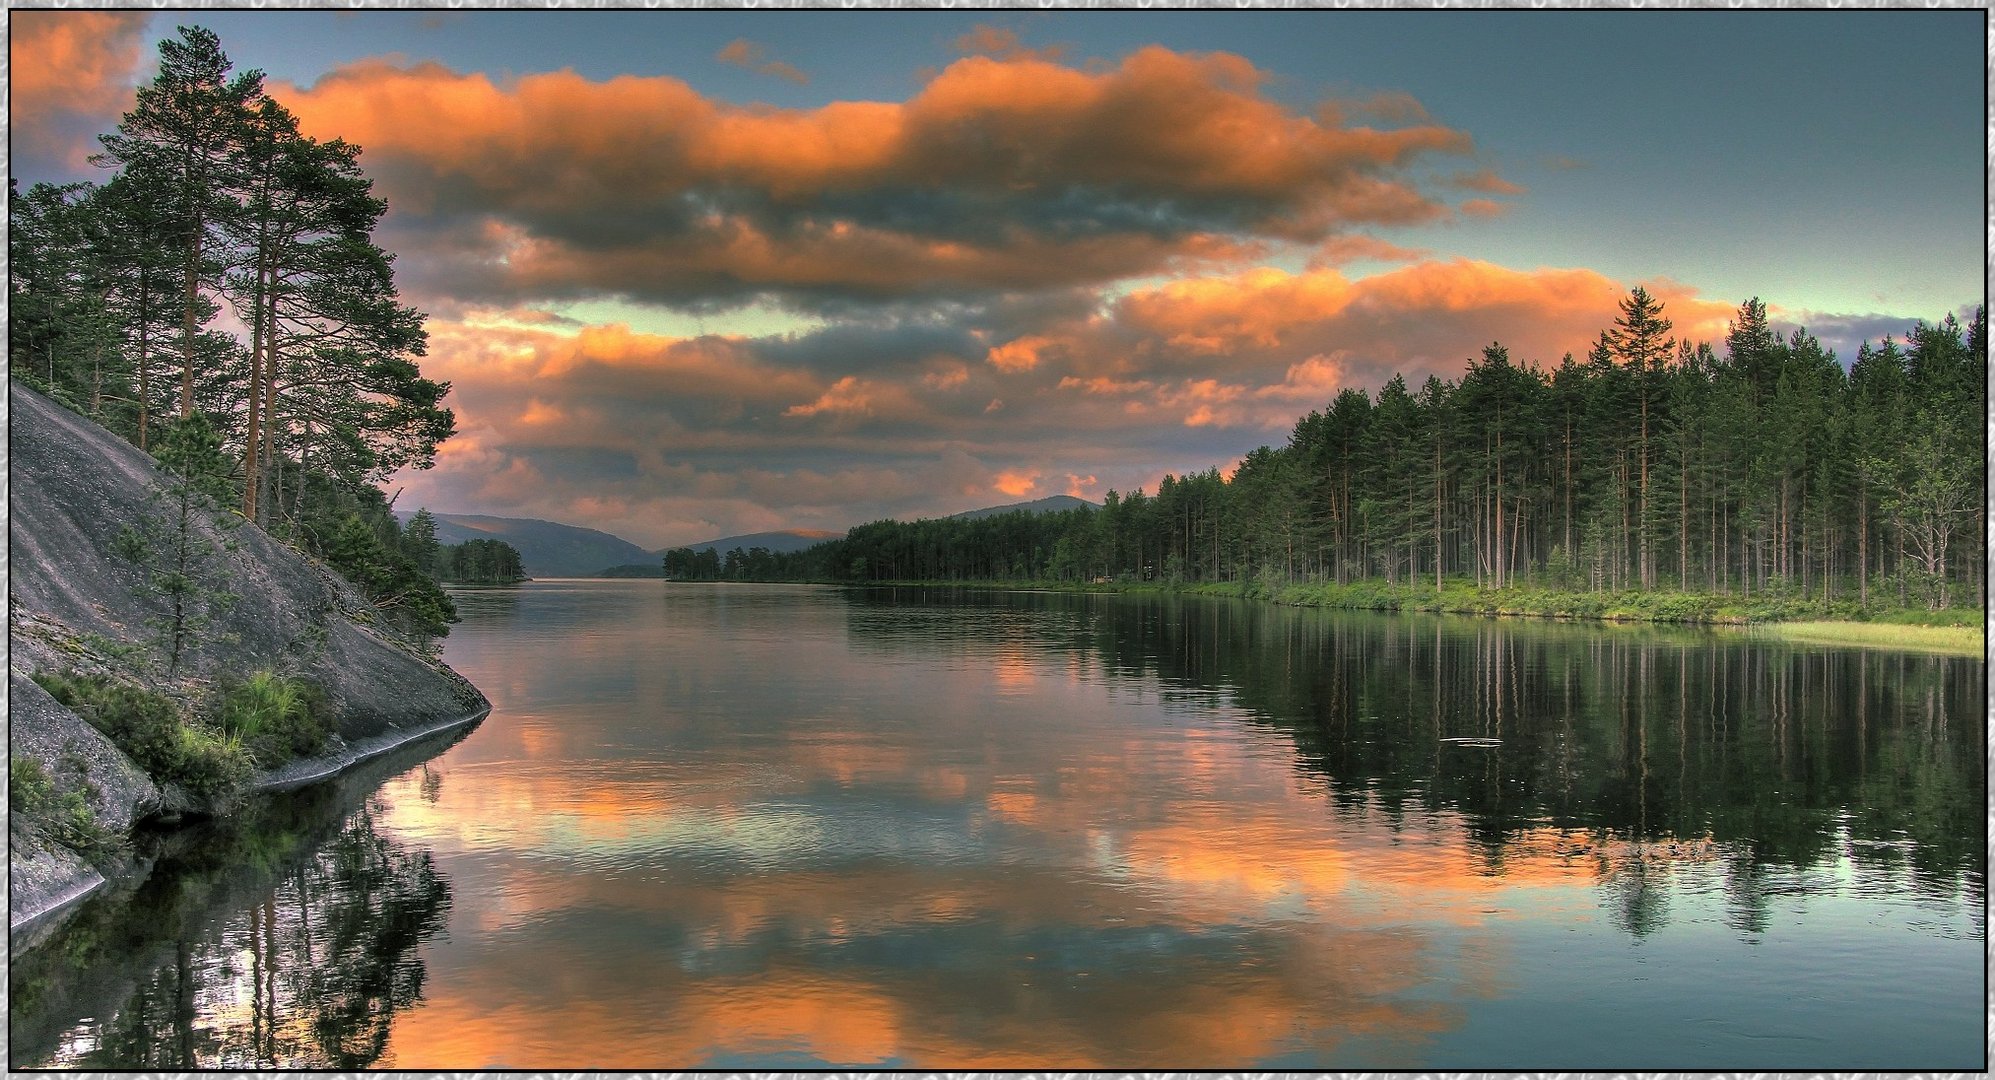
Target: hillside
[784,541]
[554,549]
[1051,504]
[85,509]
[547,548]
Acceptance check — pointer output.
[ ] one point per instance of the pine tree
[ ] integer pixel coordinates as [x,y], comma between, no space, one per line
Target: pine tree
[179,560]
[1640,339]
[180,145]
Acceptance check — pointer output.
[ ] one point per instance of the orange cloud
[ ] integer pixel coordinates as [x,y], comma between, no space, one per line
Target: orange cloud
[1019,355]
[670,440]
[742,52]
[978,181]
[1257,308]
[1357,247]
[845,396]
[948,377]
[1104,385]
[1387,106]
[539,412]
[1253,350]
[71,75]
[1016,484]
[1485,180]
[986,40]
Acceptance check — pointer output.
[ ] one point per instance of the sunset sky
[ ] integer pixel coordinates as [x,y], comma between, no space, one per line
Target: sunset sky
[701,273]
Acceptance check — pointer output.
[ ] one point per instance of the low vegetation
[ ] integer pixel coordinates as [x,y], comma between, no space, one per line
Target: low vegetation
[1662,605]
[260,722]
[154,732]
[1959,640]
[55,813]
[1786,616]
[274,718]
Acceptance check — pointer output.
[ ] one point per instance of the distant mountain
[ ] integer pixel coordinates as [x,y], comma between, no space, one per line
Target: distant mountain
[781,542]
[551,549]
[547,548]
[1051,504]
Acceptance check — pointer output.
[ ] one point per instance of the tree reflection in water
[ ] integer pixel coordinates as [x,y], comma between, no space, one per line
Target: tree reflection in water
[1643,751]
[280,941]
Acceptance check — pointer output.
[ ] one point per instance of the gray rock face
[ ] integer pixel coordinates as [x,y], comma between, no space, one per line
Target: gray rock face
[76,603]
[82,758]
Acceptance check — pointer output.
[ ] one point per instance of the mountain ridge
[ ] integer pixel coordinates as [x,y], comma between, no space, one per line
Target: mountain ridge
[1051,504]
[547,548]
[558,549]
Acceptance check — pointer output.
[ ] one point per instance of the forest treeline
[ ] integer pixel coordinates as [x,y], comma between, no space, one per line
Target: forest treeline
[225,276]
[473,562]
[1652,463]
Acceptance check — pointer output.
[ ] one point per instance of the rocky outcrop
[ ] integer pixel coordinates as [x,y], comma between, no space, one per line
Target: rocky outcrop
[44,875]
[77,601]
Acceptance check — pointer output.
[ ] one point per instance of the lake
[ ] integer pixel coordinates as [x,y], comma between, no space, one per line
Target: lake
[745,826]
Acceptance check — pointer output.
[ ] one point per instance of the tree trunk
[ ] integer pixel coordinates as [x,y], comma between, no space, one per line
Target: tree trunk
[189,328]
[145,359]
[1437,516]
[1645,564]
[250,481]
[1862,546]
[1683,521]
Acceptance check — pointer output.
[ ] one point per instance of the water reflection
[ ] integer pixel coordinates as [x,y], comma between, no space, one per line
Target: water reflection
[288,938]
[766,827]
[1657,740]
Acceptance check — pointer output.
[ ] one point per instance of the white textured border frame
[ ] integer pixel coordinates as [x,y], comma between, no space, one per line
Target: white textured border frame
[1988,245]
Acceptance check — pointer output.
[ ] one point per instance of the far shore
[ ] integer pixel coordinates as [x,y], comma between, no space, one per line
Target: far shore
[1955,631]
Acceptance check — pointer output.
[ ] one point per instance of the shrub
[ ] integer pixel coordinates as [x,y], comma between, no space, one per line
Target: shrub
[28,786]
[151,729]
[1941,617]
[274,717]
[64,817]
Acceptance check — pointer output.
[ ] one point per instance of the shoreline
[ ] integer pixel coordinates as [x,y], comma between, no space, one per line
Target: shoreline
[1967,641]
[25,929]
[1770,618]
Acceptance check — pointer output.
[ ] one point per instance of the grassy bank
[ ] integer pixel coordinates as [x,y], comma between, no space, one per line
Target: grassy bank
[1956,640]
[1786,617]
[258,722]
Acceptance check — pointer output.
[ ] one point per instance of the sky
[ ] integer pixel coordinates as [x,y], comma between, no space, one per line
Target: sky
[699,273]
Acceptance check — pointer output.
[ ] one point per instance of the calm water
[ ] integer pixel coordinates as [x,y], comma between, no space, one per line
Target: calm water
[744,826]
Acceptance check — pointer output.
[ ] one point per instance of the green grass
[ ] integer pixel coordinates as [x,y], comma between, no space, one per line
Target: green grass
[1659,605]
[63,816]
[154,732]
[1788,616]
[1944,617]
[274,717]
[260,721]
[1957,640]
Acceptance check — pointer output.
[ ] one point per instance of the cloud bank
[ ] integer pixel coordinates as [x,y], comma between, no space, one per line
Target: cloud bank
[1003,172]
